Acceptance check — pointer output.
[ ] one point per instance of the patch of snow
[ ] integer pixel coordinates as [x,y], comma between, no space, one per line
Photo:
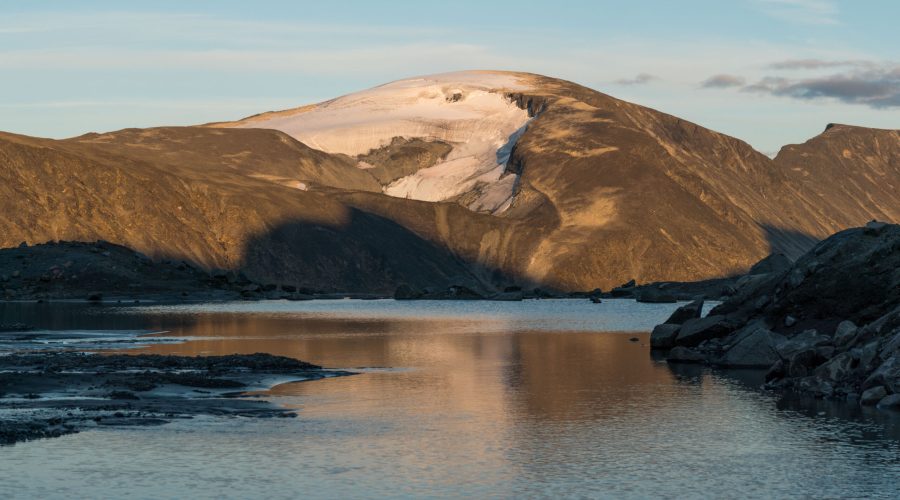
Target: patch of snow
[466,109]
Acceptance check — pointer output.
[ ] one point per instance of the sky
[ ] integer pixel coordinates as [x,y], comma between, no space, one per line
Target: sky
[770,72]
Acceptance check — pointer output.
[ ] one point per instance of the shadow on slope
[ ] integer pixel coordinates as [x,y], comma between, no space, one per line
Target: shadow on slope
[368,253]
[789,242]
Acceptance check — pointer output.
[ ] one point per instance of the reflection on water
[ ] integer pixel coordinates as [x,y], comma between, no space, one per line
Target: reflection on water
[465,399]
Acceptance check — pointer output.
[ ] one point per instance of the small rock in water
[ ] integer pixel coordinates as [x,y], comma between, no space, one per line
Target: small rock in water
[790,321]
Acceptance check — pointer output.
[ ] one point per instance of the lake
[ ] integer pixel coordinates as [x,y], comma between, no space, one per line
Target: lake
[460,399]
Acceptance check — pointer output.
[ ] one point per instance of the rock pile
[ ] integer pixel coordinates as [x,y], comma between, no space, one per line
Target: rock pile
[827,325]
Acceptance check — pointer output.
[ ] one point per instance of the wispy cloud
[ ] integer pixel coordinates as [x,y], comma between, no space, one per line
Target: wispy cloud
[639,79]
[723,81]
[801,11]
[876,87]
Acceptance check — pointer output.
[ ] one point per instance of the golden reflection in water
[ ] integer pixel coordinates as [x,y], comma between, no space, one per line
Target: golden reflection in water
[437,364]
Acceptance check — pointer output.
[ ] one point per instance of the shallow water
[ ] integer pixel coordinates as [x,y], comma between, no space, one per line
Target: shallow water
[474,399]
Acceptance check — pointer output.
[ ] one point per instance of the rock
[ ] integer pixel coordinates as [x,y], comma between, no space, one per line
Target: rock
[755,350]
[251,288]
[655,296]
[629,284]
[777,371]
[872,395]
[622,292]
[596,300]
[887,374]
[128,395]
[874,228]
[774,263]
[634,339]
[681,354]
[844,333]
[837,369]
[790,321]
[806,340]
[891,402]
[688,311]
[15,274]
[663,336]
[24,244]
[95,297]
[696,330]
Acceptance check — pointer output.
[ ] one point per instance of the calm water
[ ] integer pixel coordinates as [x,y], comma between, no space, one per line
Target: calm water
[462,399]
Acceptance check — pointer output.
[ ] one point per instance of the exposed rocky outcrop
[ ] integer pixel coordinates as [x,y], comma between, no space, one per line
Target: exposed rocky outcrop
[50,394]
[800,322]
[402,157]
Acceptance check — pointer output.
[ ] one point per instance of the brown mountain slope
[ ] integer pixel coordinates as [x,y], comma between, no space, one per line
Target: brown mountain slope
[604,191]
[265,154]
[849,174]
[49,192]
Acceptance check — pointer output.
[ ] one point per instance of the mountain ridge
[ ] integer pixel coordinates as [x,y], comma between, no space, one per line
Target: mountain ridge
[592,192]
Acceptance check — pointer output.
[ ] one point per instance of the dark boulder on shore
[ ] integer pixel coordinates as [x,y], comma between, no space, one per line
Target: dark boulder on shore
[686,312]
[800,321]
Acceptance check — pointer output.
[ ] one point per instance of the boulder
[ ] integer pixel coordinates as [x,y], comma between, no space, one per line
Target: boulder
[790,321]
[891,402]
[655,296]
[838,368]
[872,396]
[694,331]
[754,350]
[844,333]
[874,228]
[806,340]
[681,354]
[887,374]
[688,311]
[663,336]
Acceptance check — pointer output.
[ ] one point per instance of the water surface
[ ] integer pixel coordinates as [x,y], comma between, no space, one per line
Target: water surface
[475,399]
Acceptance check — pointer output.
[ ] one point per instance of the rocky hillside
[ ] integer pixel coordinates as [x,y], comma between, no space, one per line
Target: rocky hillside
[829,325]
[570,189]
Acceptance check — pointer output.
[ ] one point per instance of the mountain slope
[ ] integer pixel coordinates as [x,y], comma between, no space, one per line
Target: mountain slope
[475,178]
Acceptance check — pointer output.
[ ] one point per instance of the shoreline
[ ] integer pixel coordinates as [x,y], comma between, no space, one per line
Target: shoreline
[51,394]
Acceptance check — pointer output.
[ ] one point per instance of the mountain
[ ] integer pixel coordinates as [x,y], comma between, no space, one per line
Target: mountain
[481,179]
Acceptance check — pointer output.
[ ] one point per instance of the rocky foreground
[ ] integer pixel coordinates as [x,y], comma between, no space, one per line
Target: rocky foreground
[52,394]
[826,326]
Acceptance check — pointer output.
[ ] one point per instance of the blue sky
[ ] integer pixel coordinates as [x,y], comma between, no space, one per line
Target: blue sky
[770,72]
